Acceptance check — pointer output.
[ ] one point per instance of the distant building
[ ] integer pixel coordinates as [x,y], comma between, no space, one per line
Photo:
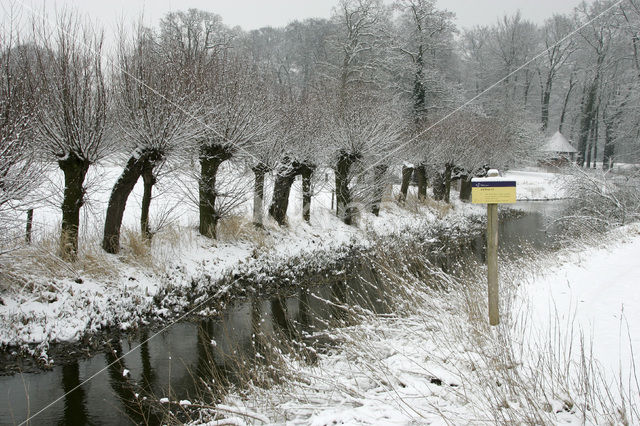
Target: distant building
[557,150]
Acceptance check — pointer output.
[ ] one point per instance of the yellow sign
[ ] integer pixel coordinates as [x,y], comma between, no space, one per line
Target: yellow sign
[493,190]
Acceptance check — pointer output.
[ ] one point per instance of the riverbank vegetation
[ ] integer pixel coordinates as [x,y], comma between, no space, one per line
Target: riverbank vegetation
[433,358]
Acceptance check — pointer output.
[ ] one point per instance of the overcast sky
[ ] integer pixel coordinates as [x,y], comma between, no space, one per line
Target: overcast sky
[252,14]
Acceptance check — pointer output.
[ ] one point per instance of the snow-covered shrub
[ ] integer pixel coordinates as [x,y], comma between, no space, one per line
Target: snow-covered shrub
[601,199]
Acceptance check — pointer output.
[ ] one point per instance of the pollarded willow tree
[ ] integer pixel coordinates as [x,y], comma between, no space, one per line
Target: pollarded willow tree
[236,114]
[291,59]
[357,75]
[365,134]
[469,142]
[155,120]
[301,123]
[227,95]
[72,123]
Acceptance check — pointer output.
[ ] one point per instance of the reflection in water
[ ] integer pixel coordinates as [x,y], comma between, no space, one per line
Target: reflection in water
[213,353]
[304,314]
[75,411]
[279,316]
[208,371]
[123,389]
[148,375]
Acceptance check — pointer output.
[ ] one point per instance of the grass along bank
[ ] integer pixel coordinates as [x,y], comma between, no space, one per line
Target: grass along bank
[437,361]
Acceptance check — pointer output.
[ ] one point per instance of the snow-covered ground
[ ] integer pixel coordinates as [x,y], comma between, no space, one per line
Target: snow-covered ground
[50,300]
[596,290]
[436,363]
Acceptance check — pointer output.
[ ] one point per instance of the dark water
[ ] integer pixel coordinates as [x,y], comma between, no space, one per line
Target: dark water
[172,363]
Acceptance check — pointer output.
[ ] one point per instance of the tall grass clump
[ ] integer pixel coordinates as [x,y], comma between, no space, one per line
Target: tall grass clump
[430,354]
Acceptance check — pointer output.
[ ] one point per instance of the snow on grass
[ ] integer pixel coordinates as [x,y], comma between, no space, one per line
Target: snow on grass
[48,300]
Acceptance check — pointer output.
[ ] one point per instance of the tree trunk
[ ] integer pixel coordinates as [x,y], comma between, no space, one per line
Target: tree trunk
[447,181]
[345,210]
[211,156]
[378,187]
[281,190]
[148,180]
[421,175]
[74,169]
[407,172]
[259,172]
[546,97]
[117,203]
[439,187]
[29,226]
[595,139]
[419,92]
[307,172]
[465,188]
[589,144]
[527,86]
[566,103]
[609,149]
[588,114]
[135,167]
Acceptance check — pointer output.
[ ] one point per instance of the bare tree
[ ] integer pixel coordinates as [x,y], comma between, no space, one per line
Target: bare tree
[365,132]
[153,122]
[300,130]
[469,142]
[558,51]
[19,172]
[424,43]
[233,119]
[72,123]
[197,44]
[596,37]
[358,44]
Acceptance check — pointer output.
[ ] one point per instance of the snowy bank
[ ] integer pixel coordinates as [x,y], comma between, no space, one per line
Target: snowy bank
[192,275]
[438,362]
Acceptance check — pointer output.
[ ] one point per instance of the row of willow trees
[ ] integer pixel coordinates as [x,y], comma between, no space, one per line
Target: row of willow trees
[373,87]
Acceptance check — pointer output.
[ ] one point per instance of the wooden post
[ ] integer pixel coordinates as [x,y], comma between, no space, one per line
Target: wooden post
[29,225]
[492,262]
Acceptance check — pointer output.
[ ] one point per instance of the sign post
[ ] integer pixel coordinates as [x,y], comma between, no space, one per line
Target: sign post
[493,190]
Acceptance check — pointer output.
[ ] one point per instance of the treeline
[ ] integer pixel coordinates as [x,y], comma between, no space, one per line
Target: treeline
[373,87]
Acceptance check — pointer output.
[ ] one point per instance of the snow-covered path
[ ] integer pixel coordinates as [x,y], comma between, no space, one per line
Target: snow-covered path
[597,290]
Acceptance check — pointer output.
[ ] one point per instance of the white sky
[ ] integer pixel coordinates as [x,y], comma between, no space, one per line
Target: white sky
[252,14]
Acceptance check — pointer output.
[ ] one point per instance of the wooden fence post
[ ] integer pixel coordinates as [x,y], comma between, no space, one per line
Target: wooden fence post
[492,263]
